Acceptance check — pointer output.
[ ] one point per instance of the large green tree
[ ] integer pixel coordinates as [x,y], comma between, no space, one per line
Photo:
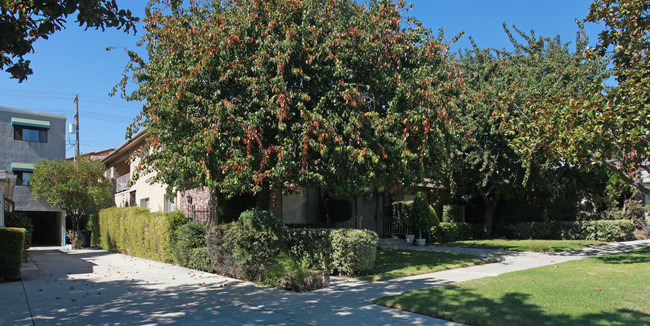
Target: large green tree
[77,189]
[252,94]
[23,22]
[605,125]
[502,87]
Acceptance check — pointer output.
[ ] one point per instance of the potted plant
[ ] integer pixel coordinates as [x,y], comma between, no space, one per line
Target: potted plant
[423,216]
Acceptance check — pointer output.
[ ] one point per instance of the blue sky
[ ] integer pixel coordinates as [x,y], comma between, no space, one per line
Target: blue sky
[74,61]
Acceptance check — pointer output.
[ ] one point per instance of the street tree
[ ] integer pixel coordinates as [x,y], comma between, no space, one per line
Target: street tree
[249,95]
[604,125]
[503,86]
[24,22]
[77,189]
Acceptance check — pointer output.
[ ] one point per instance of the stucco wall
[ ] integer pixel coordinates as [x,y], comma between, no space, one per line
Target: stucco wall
[143,189]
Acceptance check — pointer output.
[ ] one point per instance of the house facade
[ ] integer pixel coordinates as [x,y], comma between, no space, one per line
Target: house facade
[26,137]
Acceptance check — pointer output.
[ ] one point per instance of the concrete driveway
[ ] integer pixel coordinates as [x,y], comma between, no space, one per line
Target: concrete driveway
[95,287]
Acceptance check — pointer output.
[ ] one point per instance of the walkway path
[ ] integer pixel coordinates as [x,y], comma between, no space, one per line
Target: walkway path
[63,287]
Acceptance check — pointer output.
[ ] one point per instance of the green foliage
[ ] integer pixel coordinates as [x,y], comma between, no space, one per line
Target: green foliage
[21,220]
[189,236]
[291,274]
[618,230]
[12,243]
[452,231]
[76,239]
[256,239]
[138,232]
[77,189]
[353,251]
[94,227]
[402,214]
[339,209]
[422,214]
[351,98]
[222,259]
[452,213]
[313,244]
[199,259]
[25,22]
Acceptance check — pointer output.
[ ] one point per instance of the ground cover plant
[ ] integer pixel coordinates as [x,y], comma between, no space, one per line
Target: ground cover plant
[400,263]
[607,290]
[526,245]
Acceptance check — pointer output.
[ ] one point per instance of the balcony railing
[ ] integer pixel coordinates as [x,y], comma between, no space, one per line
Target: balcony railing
[122,183]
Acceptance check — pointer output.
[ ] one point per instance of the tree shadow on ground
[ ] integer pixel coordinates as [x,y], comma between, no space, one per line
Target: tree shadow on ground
[465,306]
[634,257]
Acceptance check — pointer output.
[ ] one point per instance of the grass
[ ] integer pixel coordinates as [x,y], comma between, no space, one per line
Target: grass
[527,245]
[400,263]
[607,290]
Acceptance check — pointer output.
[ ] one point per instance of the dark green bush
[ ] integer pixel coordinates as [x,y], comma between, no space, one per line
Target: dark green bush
[422,214]
[339,210]
[12,244]
[93,226]
[452,213]
[449,232]
[221,258]
[353,251]
[189,236]
[21,220]
[199,259]
[290,274]
[604,230]
[312,244]
[256,239]
[139,232]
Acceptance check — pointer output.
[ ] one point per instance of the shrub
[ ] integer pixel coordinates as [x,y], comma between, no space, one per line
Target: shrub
[423,216]
[290,274]
[21,220]
[353,251]
[93,226]
[12,244]
[452,213]
[256,239]
[139,232]
[449,232]
[221,258]
[189,236]
[199,259]
[312,244]
[604,230]
[339,209]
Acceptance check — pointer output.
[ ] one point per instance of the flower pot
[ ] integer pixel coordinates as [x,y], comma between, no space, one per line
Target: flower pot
[409,238]
[420,242]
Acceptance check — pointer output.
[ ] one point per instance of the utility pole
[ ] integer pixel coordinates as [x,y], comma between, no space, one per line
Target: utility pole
[76,118]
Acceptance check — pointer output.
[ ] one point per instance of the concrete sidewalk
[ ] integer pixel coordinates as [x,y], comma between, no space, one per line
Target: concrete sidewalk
[63,287]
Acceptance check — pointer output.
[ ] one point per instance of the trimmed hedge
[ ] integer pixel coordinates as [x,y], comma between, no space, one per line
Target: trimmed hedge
[452,213]
[139,232]
[346,251]
[604,230]
[12,242]
[199,259]
[353,251]
[22,221]
[449,232]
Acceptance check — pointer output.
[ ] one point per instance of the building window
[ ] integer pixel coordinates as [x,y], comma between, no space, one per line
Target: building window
[144,202]
[169,205]
[22,178]
[28,133]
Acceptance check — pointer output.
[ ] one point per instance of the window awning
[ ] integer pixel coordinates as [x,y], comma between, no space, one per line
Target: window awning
[27,167]
[30,122]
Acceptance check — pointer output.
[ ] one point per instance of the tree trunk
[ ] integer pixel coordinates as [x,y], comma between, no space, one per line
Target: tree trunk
[488,218]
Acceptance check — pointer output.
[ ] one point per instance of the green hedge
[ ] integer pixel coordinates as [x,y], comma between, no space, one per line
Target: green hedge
[452,213]
[604,230]
[343,251]
[12,241]
[139,232]
[221,258]
[449,232]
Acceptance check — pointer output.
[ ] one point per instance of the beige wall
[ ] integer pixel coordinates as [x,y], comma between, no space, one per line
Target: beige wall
[143,189]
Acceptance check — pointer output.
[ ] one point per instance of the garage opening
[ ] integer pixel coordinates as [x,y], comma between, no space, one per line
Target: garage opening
[47,228]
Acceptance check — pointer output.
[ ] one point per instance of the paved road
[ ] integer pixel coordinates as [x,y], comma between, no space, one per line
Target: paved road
[81,287]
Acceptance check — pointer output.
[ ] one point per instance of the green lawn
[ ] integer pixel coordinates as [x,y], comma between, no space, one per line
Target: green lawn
[607,290]
[526,245]
[400,263]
